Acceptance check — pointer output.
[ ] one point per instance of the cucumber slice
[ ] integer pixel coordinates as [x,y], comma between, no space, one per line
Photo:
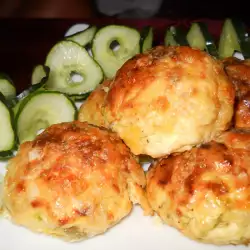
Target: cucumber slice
[146,40]
[83,37]
[234,37]
[41,110]
[16,108]
[7,87]
[169,39]
[195,37]
[72,70]
[16,102]
[39,73]
[199,37]
[23,95]
[111,60]
[175,36]
[7,132]
[228,40]
[243,37]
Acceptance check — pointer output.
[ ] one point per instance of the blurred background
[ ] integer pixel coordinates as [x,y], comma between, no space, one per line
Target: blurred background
[123,9]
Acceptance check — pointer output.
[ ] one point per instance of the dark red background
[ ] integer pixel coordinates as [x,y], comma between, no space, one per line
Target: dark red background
[26,42]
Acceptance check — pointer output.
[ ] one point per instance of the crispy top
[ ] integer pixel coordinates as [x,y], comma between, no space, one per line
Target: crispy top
[169,92]
[92,109]
[239,73]
[235,140]
[238,70]
[242,113]
[73,174]
[222,169]
[139,75]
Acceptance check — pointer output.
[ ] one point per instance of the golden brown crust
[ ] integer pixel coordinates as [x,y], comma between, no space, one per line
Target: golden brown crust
[235,139]
[91,110]
[172,63]
[242,114]
[197,191]
[239,73]
[238,70]
[73,181]
[166,100]
[159,97]
[183,172]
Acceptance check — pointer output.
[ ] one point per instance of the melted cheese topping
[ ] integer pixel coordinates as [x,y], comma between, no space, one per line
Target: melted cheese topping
[74,181]
[205,192]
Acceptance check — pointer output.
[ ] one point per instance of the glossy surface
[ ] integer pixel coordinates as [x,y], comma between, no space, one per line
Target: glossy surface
[167,100]
[73,181]
[137,231]
[32,47]
[239,73]
[92,109]
[205,192]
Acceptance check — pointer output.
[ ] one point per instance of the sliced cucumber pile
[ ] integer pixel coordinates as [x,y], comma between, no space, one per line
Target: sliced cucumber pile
[40,73]
[40,110]
[69,73]
[7,132]
[146,41]
[7,87]
[72,70]
[83,37]
[234,37]
[109,58]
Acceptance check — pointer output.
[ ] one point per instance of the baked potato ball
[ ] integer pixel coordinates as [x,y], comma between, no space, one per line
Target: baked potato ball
[92,110]
[239,73]
[73,181]
[167,100]
[205,192]
[242,113]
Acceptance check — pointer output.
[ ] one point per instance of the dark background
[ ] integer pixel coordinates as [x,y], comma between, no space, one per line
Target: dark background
[87,8]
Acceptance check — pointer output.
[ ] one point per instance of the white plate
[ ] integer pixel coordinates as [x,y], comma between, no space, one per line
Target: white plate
[136,232]
[76,28]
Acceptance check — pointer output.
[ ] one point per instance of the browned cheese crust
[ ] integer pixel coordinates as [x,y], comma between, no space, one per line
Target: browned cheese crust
[239,73]
[92,110]
[73,181]
[167,100]
[205,192]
